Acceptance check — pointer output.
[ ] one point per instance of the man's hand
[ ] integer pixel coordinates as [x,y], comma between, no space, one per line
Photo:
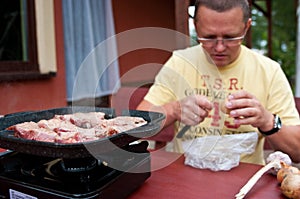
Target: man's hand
[194,109]
[247,110]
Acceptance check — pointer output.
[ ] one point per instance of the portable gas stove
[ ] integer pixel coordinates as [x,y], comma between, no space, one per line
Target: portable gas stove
[97,169]
[29,176]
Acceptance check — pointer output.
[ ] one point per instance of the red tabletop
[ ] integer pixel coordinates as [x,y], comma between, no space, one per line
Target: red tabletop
[172,179]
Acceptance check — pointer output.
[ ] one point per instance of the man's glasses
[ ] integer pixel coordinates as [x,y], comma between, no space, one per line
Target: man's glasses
[234,41]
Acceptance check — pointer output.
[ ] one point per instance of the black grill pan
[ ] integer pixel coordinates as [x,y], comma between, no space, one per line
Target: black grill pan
[77,150]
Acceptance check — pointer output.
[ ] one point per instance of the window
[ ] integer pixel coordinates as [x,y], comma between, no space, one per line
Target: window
[18,40]
[192,30]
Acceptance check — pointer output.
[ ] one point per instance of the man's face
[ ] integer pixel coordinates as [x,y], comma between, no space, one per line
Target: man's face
[211,24]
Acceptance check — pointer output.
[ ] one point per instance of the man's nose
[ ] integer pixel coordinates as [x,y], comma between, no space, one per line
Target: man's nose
[220,45]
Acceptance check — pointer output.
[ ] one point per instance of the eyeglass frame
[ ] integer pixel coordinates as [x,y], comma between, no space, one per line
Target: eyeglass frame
[223,40]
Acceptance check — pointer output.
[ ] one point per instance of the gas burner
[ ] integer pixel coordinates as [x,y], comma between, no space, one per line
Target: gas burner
[85,171]
[56,178]
[78,165]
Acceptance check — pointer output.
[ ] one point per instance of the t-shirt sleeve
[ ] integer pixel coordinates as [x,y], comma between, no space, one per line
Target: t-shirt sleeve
[281,99]
[161,92]
[171,82]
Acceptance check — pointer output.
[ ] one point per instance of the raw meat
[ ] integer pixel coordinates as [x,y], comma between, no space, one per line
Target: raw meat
[75,128]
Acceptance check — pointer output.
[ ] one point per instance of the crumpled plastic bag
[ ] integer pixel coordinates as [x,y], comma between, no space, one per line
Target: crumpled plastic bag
[218,152]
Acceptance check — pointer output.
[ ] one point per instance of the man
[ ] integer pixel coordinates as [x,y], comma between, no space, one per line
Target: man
[255,90]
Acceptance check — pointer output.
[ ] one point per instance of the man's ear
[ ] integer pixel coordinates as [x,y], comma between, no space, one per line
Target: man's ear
[248,24]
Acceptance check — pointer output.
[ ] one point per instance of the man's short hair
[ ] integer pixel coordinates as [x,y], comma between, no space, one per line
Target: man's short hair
[224,5]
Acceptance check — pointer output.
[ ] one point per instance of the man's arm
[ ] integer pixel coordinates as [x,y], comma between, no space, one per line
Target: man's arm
[287,140]
[169,110]
[191,110]
[247,110]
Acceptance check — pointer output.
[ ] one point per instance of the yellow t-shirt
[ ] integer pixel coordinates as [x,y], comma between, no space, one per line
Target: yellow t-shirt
[189,72]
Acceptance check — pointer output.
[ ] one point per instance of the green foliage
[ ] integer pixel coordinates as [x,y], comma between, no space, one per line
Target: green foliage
[284,34]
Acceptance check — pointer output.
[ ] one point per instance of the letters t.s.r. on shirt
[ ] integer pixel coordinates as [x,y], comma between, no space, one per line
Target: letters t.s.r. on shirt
[186,73]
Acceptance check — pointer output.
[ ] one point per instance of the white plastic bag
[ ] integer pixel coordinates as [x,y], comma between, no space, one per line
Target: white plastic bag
[218,152]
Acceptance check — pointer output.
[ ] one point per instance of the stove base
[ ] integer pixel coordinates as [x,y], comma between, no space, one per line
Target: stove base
[117,184]
[121,187]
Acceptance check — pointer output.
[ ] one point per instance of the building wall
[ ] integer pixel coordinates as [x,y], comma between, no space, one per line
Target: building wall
[17,96]
[132,14]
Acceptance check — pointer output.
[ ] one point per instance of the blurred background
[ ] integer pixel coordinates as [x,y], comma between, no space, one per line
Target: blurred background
[55,53]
